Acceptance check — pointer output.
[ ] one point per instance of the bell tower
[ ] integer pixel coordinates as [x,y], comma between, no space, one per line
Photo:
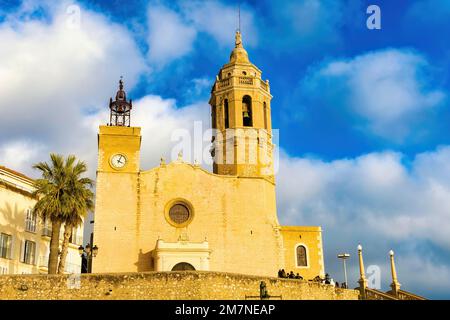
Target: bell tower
[119,143]
[240,112]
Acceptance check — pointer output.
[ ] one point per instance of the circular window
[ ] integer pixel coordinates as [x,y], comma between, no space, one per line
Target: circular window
[179,213]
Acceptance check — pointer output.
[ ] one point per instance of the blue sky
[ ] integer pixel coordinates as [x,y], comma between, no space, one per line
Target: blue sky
[363,114]
[285,51]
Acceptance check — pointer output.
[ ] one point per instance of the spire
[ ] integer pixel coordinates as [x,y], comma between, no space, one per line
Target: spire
[239,54]
[362,275]
[395,285]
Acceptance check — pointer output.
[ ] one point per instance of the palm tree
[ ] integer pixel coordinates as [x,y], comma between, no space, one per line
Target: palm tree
[54,192]
[50,205]
[80,202]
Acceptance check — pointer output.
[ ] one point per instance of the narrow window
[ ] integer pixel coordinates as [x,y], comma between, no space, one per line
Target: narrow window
[227,123]
[30,221]
[301,256]
[5,245]
[29,252]
[213,116]
[265,114]
[247,111]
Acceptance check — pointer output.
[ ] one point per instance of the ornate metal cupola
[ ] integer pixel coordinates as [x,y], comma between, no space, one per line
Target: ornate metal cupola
[120,108]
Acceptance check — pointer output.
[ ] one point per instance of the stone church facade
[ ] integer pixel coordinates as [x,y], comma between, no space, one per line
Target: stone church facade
[179,216]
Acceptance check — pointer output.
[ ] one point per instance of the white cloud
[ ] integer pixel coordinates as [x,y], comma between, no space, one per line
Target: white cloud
[172,33]
[387,88]
[169,36]
[18,154]
[376,190]
[375,199]
[158,118]
[53,75]
[221,21]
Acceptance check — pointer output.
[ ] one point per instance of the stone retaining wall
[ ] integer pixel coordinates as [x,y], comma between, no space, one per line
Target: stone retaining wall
[162,285]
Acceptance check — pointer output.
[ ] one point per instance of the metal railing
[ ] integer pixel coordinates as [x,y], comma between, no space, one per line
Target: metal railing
[47,232]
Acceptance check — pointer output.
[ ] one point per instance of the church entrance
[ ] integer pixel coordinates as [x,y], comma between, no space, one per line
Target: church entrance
[183,266]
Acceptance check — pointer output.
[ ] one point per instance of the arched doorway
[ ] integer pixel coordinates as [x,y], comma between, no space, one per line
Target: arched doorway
[183,266]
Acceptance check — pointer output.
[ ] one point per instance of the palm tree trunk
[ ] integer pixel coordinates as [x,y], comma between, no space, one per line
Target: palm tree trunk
[54,248]
[64,247]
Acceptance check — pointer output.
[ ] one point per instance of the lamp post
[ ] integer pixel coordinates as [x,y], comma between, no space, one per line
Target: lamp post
[90,253]
[344,256]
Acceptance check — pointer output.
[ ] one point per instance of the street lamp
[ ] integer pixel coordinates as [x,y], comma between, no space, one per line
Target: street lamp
[89,253]
[344,256]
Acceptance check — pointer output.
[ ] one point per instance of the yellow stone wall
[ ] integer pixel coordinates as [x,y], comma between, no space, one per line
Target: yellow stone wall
[311,238]
[236,215]
[234,208]
[123,140]
[163,286]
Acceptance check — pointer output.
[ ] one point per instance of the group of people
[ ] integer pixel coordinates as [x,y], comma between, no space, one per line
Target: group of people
[326,280]
[289,275]
[343,285]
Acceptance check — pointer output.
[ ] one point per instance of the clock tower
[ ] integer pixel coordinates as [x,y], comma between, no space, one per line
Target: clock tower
[118,143]
[117,185]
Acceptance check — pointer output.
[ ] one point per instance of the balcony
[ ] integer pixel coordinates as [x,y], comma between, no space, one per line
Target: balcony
[47,232]
[242,81]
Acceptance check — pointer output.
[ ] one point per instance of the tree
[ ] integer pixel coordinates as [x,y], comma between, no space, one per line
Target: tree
[80,201]
[55,198]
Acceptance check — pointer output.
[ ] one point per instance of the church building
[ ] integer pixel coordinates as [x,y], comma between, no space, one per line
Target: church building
[179,216]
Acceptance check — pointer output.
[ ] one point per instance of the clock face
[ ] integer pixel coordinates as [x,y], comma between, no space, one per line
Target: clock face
[118,160]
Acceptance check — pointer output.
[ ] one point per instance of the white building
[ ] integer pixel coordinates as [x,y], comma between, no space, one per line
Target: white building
[24,238]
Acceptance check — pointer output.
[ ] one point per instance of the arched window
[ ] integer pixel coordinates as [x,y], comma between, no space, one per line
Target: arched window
[302,259]
[247,111]
[213,116]
[265,114]
[227,122]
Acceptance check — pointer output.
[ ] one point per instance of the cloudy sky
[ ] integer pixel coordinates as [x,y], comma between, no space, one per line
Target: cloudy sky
[363,115]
